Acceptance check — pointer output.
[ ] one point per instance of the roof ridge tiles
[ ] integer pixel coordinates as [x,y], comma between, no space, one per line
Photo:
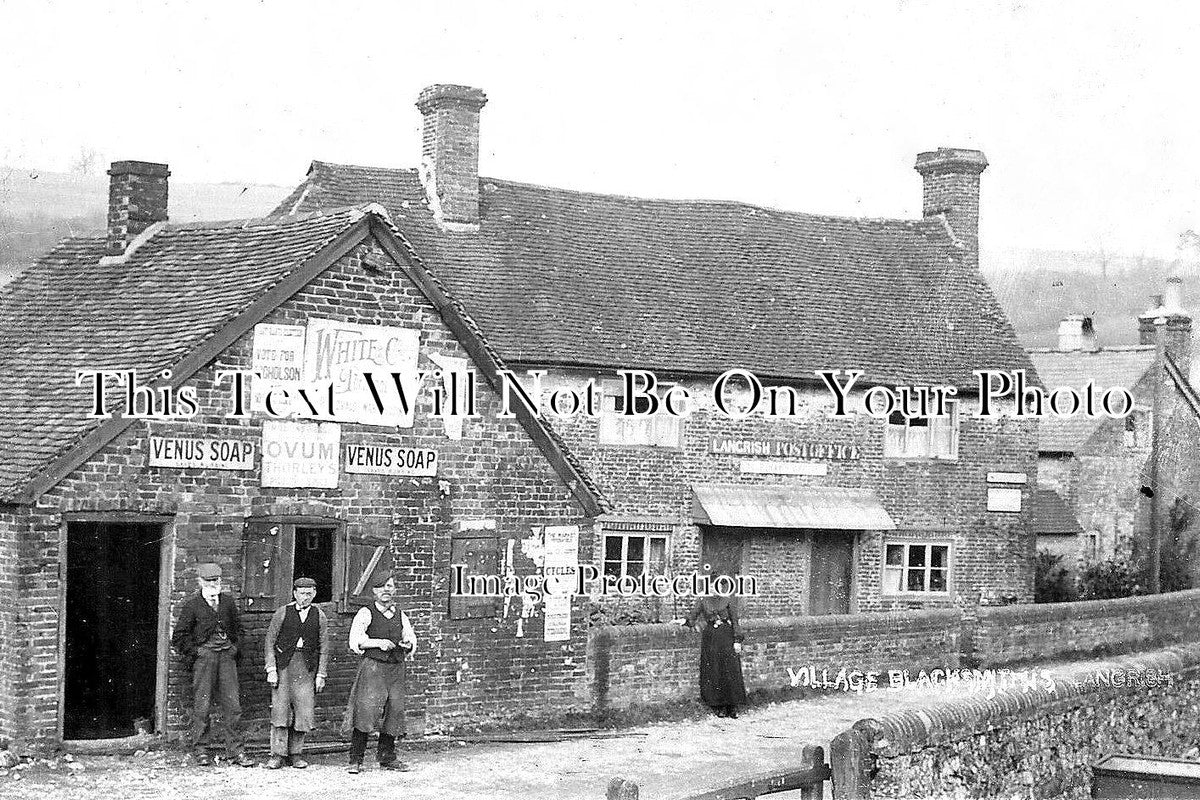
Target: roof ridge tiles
[270,221]
[917,223]
[1115,348]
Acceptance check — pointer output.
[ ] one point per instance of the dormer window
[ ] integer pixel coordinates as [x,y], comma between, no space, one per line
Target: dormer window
[615,428]
[922,437]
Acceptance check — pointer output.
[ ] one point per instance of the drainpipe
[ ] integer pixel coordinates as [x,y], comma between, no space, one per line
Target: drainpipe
[1160,368]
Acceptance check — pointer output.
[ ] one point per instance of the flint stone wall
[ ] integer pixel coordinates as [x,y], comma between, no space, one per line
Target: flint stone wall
[1027,743]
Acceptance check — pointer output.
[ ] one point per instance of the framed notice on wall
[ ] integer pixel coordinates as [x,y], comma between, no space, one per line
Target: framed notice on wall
[277,360]
[559,565]
[558,618]
[1003,499]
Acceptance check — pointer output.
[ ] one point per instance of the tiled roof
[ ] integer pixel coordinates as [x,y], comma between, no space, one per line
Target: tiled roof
[1106,368]
[562,277]
[1052,515]
[182,287]
[70,312]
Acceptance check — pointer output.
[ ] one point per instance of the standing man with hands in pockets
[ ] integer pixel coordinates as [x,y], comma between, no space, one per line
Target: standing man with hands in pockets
[207,636]
[297,661]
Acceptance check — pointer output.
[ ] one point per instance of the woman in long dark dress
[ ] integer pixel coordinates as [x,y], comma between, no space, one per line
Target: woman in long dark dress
[721,685]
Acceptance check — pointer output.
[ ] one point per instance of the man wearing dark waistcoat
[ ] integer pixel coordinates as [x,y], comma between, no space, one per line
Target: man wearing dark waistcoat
[297,660]
[207,635]
[382,635]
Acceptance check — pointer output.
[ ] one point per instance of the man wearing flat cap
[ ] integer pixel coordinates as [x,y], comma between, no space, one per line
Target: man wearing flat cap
[207,635]
[297,659]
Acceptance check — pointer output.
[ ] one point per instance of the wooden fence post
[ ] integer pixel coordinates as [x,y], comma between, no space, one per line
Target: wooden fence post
[812,757]
[848,754]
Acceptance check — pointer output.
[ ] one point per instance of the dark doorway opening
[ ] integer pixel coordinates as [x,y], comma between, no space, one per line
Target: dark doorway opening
[314,559]
[111,650]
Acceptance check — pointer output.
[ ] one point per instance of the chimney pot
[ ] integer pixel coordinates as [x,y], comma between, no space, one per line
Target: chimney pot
[1173,297]
[137,198]
[1167,318]
[1076,332]
[450,153]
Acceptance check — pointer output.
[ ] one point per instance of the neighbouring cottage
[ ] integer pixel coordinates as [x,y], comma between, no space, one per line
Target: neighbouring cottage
[103,517]
[1097,476]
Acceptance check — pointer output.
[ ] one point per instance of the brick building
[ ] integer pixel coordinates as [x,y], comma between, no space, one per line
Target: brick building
[1097,479]
[102,518]
[836,515]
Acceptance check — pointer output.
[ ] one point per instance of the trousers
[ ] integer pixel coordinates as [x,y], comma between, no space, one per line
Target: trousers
[214,676]
[385,750]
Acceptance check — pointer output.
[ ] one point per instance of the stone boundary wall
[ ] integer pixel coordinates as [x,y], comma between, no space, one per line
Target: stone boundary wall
[1027,741]
[1023,633]
[639,665]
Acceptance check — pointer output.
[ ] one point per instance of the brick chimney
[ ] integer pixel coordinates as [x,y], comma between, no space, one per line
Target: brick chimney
[1076,332]
[1176,324]
[137,198]
[951,187]
[450,153]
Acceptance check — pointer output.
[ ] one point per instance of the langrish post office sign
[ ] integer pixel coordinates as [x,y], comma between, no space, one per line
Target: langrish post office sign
[781,448]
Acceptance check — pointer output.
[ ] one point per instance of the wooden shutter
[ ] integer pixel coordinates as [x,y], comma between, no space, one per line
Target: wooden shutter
[367,549]
[266,565]
[481,557]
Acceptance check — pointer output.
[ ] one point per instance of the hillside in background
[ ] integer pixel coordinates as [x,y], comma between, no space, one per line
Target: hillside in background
[1036,287]
[37,209]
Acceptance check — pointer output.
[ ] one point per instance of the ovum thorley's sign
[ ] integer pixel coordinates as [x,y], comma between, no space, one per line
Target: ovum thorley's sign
[300,454]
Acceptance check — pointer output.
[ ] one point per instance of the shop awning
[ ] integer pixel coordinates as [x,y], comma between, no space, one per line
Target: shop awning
[826,508]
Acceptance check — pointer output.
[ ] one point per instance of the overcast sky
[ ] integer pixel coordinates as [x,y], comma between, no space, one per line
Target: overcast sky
[1087,112]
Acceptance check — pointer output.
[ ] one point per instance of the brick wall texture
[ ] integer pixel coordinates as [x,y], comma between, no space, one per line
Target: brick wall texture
[1013,634]
[638,665]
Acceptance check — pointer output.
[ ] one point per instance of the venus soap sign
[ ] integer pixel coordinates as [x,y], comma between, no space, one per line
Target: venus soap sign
[202,452]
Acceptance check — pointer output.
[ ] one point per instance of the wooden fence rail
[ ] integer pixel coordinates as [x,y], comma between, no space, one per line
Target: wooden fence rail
[809,776]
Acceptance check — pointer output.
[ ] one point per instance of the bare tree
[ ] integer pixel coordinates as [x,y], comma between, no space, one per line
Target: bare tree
[85,162]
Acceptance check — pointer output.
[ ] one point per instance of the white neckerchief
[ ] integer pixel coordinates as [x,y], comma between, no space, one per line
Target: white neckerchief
[303,614]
